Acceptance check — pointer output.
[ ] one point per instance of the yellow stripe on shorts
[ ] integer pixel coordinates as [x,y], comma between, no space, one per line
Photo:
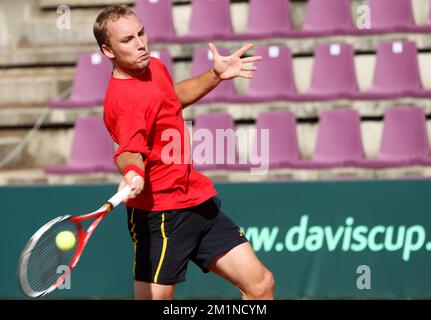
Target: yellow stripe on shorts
[165,244]
[135,241]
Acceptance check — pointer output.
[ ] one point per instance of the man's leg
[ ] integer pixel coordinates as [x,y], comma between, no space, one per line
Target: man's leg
[243,269]
[160,259]
[153,291]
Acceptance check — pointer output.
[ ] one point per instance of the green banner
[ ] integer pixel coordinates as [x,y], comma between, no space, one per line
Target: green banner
[342,239]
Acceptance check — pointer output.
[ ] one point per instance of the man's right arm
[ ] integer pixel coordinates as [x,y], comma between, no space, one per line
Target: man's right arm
[131,166]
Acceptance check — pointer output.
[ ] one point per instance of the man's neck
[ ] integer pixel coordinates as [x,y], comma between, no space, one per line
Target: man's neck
[121,74]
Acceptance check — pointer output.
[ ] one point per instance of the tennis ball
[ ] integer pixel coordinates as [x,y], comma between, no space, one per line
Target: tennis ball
[65,240]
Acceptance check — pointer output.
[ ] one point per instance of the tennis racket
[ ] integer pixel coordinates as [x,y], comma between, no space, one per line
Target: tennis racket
[38,267]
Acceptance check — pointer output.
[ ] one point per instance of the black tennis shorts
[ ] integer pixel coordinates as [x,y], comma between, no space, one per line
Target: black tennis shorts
[165,241]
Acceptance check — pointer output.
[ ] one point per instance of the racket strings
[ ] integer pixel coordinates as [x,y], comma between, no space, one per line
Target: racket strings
[46,262]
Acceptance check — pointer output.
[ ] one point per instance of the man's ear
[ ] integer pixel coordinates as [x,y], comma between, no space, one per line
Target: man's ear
[107,51]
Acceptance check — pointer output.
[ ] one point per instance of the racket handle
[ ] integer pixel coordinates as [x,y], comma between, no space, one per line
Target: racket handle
[119,196]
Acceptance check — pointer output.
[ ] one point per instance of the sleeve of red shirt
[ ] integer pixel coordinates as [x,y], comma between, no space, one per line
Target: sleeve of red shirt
[167,74]
[165,70]
[134,120]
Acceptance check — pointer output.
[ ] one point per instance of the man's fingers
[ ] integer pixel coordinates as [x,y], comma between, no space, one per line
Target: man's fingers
[243,68]
[243,50]
[245,75]
[213,49]
[136,184]
[251,59]
[135,191]
[122,184]
[137,181]
[133,195]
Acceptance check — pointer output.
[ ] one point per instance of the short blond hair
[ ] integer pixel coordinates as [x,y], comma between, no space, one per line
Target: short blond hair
[111,13]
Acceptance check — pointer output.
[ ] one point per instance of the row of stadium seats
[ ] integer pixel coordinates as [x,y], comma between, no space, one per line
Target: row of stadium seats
[332,73]
[37,30]
[273,19]
[212,20]
[396,75]
[339,144]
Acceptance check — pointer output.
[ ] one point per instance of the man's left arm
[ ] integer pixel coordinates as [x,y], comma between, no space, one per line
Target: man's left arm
[224,68]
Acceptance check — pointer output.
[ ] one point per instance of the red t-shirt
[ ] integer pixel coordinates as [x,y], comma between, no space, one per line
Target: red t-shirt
[145,116]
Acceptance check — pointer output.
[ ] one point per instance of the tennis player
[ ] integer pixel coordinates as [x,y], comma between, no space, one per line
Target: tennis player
[173,214]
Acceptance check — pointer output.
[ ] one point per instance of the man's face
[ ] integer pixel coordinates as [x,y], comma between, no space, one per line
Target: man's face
[128,44]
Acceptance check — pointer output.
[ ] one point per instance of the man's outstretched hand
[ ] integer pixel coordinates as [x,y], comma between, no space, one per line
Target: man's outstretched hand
[233,66]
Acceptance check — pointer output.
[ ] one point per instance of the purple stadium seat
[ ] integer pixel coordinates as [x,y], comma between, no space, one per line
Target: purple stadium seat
[274,79]
[391,16]
[210,20]
[267,19]
[339,141]
[201,62]
[165,56]
[333,75]
[92,149]
[328,17]
[207,144]
[396,73]
[92,75]
[404,140]
[283,143]
[157,18]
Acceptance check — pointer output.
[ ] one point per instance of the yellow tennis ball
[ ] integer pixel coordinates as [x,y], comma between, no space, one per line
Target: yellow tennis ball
[65,240]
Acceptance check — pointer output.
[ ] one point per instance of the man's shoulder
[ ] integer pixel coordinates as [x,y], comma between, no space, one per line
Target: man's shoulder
[159,67]
[156,63]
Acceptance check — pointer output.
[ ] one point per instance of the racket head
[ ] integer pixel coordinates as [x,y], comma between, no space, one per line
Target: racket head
[39,263]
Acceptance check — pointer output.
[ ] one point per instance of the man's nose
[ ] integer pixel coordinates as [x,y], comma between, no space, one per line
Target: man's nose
[141,44]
